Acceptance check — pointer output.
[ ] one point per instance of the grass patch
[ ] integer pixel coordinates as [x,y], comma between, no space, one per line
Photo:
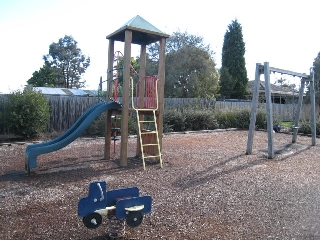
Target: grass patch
[287,124]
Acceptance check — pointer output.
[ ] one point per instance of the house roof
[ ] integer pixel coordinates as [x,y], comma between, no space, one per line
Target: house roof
[275,89]
[143,32]
[65,91]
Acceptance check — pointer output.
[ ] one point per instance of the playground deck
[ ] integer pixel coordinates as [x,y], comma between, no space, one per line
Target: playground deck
[207,189]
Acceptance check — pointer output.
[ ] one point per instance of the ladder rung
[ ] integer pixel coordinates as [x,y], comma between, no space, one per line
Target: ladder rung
[150,144]
[151,132]
[147,121]
[146,109]
[149,156]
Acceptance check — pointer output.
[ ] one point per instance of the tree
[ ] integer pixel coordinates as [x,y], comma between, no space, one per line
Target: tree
[46,77]
[175,42]
[190,72]
[190,68]
[316,70]
[68,59]
[233,78]
[226,83]
[134,69]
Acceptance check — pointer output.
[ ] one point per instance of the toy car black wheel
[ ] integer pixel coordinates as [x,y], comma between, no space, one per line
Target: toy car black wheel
[92,220]
[134,219]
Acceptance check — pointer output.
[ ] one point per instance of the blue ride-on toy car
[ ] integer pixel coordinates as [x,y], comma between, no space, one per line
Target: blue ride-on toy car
[124,204]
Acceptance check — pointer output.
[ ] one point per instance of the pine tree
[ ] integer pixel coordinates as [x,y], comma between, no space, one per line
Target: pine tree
[316,70]
[233,78]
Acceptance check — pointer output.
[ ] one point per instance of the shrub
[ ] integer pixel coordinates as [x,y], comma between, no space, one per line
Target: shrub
[318,127]
[305,127]
[261,119]
[226,119]
[242,120]
[200,120]
[3,115]
[173,121]
[98,126]
[133,124]
[192,118]
[28,113]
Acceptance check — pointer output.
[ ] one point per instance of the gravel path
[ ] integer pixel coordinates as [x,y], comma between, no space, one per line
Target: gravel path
[207,189]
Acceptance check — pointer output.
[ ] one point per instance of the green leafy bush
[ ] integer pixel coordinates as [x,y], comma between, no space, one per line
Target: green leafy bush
[242,120]
[192,118]
[98,126]
[28,113]
[226,119]
[200,120]
[3,115]
[261,119]
[305,127]
[133,124]
[173,121]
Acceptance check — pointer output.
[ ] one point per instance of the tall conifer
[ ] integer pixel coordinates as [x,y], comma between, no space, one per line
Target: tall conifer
[233,79]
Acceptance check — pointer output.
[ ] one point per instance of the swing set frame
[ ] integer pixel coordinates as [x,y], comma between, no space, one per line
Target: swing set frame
[266,70]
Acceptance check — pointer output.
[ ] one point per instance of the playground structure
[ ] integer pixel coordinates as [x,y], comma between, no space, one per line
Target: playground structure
[150,93]
[265,69]
[119,205]
[151,99]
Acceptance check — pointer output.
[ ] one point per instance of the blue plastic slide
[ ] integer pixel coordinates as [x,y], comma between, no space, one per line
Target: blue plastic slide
[34,150]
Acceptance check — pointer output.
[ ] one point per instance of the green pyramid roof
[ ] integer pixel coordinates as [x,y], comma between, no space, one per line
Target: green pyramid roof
[142,32]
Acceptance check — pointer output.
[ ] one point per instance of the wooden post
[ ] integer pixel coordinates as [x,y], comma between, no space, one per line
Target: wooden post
[297,117]
[142,79]
[161,76]
[254,107]
[125,99]
[269,111]
[107,140]
[313,109]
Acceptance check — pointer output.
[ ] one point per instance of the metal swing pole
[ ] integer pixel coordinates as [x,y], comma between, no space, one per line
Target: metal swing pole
[254,106]
[313,108]
[269,111]
[297,117]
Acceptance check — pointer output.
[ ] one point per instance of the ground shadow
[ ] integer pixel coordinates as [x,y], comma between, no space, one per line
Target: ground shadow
[211,173]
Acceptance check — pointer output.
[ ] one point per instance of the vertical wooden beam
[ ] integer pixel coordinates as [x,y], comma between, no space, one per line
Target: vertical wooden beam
[142,74]
[254,107]
[269,111]
[110,64]
[107,140]
[313,109]
[142,78]
[161,76]
[297,117]
[125,99]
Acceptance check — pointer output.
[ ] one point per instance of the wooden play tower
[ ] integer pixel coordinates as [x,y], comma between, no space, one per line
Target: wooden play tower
[138,31]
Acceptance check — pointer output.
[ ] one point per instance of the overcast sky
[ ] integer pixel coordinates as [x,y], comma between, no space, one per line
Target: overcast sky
[284,33]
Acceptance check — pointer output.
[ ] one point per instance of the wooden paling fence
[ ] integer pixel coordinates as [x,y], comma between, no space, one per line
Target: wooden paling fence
[65,110]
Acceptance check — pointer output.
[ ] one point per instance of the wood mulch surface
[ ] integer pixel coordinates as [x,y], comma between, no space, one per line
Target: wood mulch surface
[208,188]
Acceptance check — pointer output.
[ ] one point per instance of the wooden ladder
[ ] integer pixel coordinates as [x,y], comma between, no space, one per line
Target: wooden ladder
[152,132]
